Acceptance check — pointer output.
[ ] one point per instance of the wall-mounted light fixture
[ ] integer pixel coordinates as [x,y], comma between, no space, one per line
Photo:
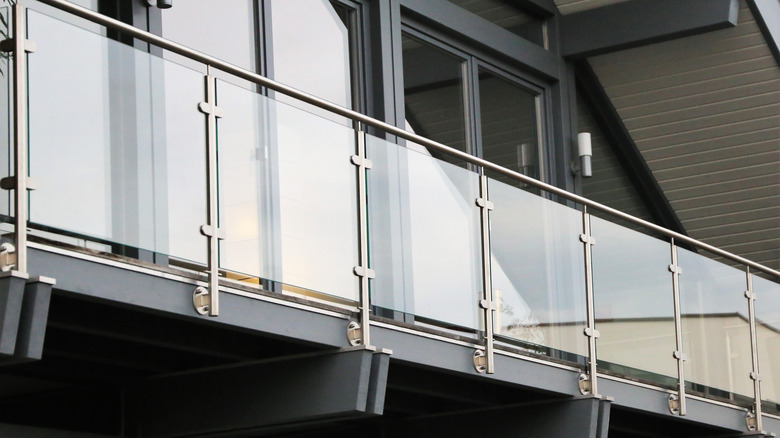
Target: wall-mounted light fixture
[526,158]
[585,152]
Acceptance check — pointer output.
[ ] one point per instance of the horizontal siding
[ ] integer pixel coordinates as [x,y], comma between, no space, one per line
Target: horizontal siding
[704,112]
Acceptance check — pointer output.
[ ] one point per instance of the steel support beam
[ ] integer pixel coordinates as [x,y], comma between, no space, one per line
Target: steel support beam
[261,396]
[486,34]
[640,22]
[11,303]
[767,15]
[576,418]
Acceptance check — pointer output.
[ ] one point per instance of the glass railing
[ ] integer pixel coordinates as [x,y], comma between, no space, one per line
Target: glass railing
[119,151]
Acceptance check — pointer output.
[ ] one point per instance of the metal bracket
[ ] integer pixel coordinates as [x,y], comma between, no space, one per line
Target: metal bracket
[9,183]
[750,295]
[209,231]
[679,355]
[480,361]
[751,421]
[200,300]
[484,203]
[755,376]
[590,240]
[354,334]
[364,272]
[592,333]
[7,257]
[360,161]
[674,404]
[674,269]
[207,108]
[8,46]
[583,381]
[488,305]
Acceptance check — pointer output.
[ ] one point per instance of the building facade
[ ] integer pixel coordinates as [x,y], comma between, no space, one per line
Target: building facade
[305,218]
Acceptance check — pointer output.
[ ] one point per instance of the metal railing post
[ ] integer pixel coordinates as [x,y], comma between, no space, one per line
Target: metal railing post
[756,423]
[20,182]
[207,301]
[589,382]
[677,404]
[485,361]
[361,335]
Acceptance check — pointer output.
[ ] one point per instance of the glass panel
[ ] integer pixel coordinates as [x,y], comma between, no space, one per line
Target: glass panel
[6,116]
[768,331]
[538,270]
[117,145]
[634,303]
[502,13]
[424,230]
[433,95]
[287,194]
[716,333]
[509,126]
[316,61]
[227,31]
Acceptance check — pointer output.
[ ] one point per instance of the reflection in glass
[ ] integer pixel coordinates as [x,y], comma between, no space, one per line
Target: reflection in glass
[227,31]
[716,333]
[634,302]
[311,49]
[768,330]
[433,95]
[537,270]
[509,126]
[287,194]
[424,234]
[117,145]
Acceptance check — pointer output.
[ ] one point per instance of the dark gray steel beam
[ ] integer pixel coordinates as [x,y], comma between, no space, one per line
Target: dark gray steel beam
[303,389]
[767,15]
[455,19]
[34,318]
[15,430]
[576,418]
[93,280]
[656,403]
[639,22]
[11,299]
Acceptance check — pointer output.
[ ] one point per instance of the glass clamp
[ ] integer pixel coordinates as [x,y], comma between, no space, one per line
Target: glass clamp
[674,269]
[484,203]
[364,272]
[360,161]
[590,240]
[9,183]
[207,108]
[592,333]
[209,231]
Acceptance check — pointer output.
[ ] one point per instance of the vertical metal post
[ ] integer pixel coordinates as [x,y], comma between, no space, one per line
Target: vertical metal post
[362,270]
[487,304]
[589,383]
[211,229]
[677,405]
[20,48]
[755,374]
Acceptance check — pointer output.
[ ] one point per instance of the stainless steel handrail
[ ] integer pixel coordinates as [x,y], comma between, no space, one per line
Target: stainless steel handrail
[324,104]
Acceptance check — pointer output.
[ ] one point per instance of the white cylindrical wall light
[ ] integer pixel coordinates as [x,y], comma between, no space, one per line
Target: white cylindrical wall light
[585,151]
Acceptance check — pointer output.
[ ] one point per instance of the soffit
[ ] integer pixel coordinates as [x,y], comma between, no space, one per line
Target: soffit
[704,112]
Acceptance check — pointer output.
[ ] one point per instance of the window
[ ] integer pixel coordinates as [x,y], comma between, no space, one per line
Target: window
[268,37]
[463,102]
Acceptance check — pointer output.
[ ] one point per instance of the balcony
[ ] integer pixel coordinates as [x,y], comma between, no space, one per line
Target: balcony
[189,166]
